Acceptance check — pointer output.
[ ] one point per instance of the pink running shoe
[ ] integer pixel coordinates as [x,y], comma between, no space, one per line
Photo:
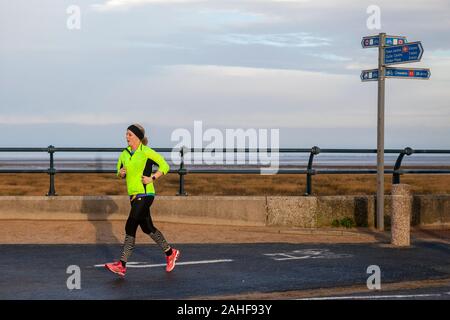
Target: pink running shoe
[117,268]
[172,259]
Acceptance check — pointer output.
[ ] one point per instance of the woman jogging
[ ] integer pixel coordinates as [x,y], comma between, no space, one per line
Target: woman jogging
[135,164]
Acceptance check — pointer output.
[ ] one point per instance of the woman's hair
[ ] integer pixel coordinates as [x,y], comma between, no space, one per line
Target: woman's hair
[145,139]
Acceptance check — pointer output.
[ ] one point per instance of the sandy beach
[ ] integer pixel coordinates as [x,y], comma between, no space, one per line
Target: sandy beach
[220,184]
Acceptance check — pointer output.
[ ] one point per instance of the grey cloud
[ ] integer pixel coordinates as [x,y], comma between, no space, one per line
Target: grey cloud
[299,40]
[115,64]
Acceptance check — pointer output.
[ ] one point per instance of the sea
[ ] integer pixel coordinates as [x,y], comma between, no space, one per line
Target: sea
[108,161]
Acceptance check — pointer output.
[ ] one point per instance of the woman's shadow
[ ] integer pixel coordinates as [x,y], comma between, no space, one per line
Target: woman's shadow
[98,209]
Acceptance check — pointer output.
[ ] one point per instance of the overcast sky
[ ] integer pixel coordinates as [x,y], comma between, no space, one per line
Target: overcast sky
[292,65]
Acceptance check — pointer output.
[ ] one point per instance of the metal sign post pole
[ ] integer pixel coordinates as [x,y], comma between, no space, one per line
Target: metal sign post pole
[380,135]
[391,50]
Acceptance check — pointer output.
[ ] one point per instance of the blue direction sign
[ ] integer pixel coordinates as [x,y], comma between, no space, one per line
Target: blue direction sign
[410,52]
[369,42]
[369,75]
[404,73]
[394,41]
[374,41]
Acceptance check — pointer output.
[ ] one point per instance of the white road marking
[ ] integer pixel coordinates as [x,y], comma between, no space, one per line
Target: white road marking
[376,297]
[306,254]
[284,256]
[141,265]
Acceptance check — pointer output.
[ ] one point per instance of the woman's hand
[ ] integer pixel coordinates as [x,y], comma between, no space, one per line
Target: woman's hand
[123,172]
[146,180]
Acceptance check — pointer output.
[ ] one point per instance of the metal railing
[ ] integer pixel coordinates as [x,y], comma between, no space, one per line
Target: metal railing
[182,170]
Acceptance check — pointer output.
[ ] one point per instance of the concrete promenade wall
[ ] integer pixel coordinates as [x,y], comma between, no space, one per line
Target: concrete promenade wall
[294,211]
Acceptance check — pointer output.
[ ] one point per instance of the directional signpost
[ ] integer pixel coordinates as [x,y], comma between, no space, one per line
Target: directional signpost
[374,41]
[403,73]
[411,52]
[412,73]
[391,50]
[369,75]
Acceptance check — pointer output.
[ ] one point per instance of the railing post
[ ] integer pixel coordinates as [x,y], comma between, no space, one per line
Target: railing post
[396,175]
[51,172]
[182,172]
[309,172]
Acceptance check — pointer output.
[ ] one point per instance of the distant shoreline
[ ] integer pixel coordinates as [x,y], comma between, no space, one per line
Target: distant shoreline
[300,164]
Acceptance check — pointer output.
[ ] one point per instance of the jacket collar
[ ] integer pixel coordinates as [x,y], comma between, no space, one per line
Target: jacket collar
[138,148]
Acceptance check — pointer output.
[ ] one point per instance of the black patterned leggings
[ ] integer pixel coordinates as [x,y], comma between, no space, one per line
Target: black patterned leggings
[140,216]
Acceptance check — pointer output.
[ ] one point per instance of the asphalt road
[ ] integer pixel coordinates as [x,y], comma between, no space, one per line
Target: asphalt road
[41,271]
